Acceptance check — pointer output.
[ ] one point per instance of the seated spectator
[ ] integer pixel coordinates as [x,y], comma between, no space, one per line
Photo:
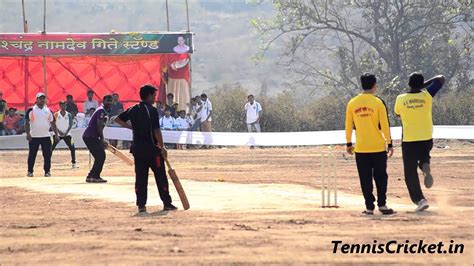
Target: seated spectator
[167,122]
[88,116]
[190,119]
[181,122]
[3,112]
[71,107]
[21,124]
[11,123]
[79,121]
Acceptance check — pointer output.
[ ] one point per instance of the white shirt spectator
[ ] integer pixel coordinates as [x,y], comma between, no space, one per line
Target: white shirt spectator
[90,104]
[190,119]
[205,111]
[40,121]
[63,122]
[195,112]
[182,123]
[253,111]
[167,123]
[87,119]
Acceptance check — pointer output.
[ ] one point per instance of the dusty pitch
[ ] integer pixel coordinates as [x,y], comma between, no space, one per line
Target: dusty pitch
[265,210]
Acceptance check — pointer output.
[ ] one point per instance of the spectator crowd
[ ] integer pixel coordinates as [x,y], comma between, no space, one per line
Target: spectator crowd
[196,117]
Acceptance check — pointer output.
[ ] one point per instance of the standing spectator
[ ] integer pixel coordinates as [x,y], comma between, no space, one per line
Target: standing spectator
[206,114]
[254,113]
[11,123]
[196,106]
[71,107]
[160,108]
[117,107]
[90,103]
[115,110]
[64,121]
[39,120]
[167,122]
[171,105]
[3,111]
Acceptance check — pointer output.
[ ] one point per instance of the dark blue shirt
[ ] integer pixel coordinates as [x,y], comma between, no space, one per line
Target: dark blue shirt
[92,131]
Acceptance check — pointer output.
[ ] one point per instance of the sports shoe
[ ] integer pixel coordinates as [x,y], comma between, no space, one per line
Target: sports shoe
[368,212]
[90,179]
[141,209]
[30,174]
[97,180]
[427,173]
[169,207]
[386,210]
[422,205]
[47,174]
[74,166]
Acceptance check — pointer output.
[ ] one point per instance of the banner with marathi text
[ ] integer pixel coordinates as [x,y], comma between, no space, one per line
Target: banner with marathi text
[51,44]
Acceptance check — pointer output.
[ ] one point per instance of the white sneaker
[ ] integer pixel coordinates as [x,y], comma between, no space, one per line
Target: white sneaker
[74,166]
[422,205]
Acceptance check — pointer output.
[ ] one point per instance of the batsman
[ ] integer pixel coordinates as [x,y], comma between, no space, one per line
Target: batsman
[147,148]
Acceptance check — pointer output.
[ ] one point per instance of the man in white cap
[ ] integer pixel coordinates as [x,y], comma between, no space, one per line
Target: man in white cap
[39,120]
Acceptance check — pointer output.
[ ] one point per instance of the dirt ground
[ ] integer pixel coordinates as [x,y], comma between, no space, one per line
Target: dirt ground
[267,210]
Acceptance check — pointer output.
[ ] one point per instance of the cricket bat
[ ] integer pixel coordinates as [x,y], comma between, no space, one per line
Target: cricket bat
[119,154]
[178,186]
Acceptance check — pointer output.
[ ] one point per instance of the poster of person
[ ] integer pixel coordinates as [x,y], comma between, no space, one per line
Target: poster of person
[181,48]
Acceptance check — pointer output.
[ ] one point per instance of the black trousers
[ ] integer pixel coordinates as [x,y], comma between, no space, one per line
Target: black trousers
[142,165]
[97,149]
[70,145]
[33,151]
[415,154]
[373,165]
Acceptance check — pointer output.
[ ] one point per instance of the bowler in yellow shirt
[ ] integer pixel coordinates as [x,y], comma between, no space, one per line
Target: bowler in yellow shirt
[415,111]
[367,114]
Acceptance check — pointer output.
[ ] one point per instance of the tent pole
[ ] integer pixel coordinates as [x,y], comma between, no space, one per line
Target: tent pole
[25,25]
[44,56]
[44,16]
[190,61]
[187,15]
[26,77]
[167,17]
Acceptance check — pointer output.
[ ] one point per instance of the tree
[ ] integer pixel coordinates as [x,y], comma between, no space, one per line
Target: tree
[390,38]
